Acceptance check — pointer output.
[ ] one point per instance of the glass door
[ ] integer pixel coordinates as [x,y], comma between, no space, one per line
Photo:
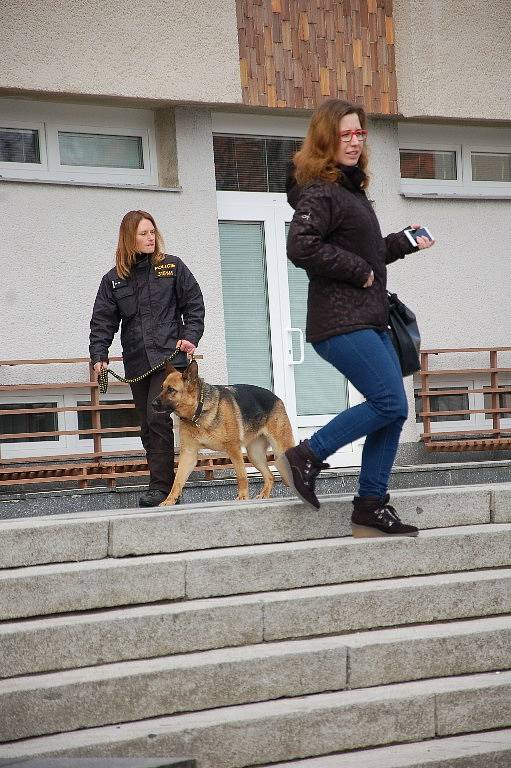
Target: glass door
[265,305]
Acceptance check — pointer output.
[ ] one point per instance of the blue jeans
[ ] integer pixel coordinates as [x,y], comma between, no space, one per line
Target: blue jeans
[368,360]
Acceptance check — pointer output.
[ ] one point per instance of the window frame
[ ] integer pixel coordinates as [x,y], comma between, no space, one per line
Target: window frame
[50,118]
[258,137]
[464,140]
[19,448]
[86,444]
[32,125]
[96,171]
[470,148]
[433,183]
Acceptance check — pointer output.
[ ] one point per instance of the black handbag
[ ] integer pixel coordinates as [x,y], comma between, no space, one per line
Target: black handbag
[405,335]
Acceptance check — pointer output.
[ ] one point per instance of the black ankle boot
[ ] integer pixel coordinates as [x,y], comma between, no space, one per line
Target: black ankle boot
[303,467]
[152,498]
[374,517]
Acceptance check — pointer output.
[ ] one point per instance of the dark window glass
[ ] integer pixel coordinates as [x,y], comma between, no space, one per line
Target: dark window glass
[279,152]
[491,166]
[225,163]
[427,164]
[20,423]
[250,157]
[444,403]
[504,400]
[116,417]
[252,163]
[19,145]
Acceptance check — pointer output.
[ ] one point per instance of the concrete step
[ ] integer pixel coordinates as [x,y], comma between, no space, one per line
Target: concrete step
[91,638]
[100,762]
[117,533]
[236,570]
[491,749]
[252,734]
[137,690]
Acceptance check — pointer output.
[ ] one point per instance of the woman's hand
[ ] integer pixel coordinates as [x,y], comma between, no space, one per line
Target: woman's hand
[99,366]
[370,280]
[185,346]
[422,242]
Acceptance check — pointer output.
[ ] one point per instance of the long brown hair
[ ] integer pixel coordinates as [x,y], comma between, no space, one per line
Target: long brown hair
[126,247]
[317,157]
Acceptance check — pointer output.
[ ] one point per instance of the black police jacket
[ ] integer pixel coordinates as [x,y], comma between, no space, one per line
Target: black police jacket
[156,305]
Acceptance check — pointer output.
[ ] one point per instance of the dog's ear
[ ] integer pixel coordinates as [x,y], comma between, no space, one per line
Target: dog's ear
[192,372]
[169,368]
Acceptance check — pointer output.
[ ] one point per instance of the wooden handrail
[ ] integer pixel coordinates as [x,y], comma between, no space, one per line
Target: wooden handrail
[85,466]
[26,411]
[464,349]
[53,361]
[471,436]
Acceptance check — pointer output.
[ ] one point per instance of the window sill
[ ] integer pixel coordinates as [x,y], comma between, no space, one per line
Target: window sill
[455,195]
[93,184]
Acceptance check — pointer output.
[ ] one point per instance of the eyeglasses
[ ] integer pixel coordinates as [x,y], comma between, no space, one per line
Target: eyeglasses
[346,136]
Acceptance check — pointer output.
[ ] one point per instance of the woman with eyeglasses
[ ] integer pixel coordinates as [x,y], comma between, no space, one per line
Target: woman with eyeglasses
[336,238]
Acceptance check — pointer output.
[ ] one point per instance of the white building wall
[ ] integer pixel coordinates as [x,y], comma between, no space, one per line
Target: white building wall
[458,289]
[453,58]
[57,241]
[163,50]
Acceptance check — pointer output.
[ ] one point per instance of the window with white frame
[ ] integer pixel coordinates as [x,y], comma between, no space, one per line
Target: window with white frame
[88,144]
[252,163]
[455,161]
[20,433]
[19,420]
[35,431]
[442,403]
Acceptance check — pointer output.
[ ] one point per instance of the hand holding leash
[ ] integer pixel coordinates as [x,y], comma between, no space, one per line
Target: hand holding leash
[103,370]
[185,346]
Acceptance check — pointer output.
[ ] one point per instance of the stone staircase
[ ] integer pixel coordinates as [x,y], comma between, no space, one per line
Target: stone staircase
[260,634]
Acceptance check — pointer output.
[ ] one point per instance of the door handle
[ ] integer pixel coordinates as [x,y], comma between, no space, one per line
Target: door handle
[302,346]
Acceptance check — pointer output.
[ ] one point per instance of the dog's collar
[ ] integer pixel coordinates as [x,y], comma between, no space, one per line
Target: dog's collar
[200,406]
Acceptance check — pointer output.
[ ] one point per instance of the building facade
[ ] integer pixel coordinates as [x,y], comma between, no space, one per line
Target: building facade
[192,114]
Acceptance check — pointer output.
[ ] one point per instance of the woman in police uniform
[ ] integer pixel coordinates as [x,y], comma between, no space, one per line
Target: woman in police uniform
[159,305]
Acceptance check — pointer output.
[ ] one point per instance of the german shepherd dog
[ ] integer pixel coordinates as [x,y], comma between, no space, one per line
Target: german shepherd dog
[224,418]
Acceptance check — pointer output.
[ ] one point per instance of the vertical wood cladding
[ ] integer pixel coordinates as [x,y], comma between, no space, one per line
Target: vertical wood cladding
[296,53]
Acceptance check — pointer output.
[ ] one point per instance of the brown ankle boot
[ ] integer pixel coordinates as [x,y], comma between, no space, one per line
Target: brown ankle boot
[302,468]
[374,517]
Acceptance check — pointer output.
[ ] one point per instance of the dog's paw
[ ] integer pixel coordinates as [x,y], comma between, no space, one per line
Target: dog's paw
[242,497]
[169,502]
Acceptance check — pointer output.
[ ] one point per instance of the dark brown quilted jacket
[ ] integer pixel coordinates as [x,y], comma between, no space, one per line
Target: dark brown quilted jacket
[335,236]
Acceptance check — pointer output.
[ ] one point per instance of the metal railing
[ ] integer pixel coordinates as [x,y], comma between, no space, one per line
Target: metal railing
[484,426]
[77,467]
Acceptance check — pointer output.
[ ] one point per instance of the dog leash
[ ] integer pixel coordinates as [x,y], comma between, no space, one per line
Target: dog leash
[103,374]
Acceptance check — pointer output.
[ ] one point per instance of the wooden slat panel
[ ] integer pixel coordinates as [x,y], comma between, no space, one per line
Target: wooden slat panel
[19,411]
[321,35]
[85,472]
[465,412]
[463,371]
[468,437]
[459,433]
[55,433]
[483,390]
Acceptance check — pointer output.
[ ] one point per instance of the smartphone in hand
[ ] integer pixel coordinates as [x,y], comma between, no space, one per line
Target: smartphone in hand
[412,234]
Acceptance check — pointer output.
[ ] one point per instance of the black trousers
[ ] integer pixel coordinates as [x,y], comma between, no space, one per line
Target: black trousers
[156,432]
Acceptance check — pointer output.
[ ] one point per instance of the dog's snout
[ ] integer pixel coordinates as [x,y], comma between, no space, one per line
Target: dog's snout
[161,405]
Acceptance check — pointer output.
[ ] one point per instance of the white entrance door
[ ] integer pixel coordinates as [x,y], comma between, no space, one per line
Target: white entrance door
[265,306]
